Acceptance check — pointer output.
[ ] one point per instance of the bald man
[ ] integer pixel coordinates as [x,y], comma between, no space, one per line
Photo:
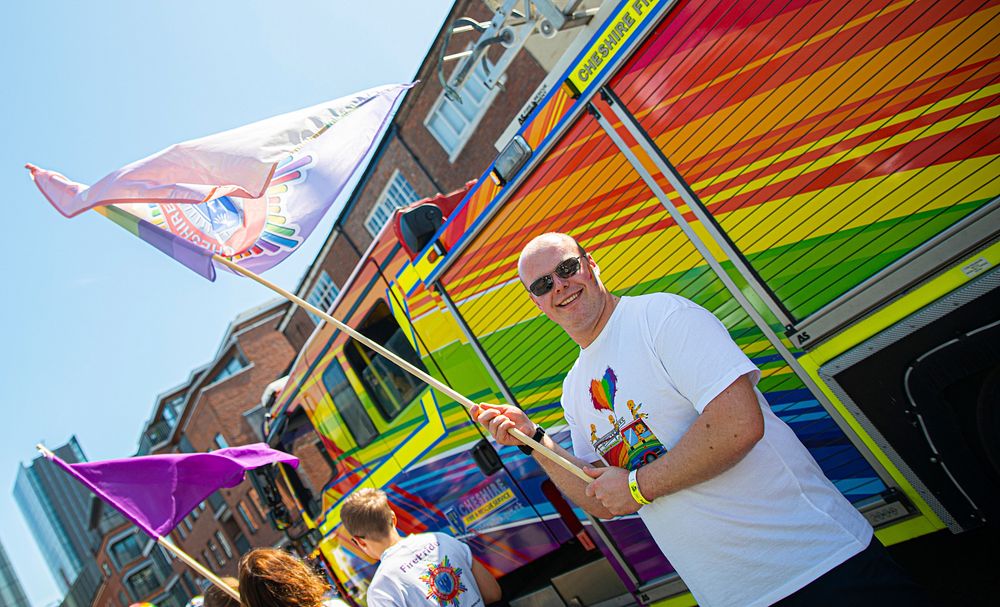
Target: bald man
[665,415]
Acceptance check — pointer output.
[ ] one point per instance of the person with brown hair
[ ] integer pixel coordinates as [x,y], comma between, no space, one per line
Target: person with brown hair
[421,569]
[273,578]
[217,597]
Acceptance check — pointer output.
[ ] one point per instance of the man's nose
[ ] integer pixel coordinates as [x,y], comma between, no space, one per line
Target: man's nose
[559,282]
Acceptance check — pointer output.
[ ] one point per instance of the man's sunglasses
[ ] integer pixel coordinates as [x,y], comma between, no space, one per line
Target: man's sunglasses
[565,269]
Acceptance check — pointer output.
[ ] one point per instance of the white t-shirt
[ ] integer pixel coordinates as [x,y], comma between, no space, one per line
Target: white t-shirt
[432,569]
[753,534]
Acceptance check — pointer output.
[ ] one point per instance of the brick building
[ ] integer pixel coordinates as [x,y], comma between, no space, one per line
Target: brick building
[132,570]
[432,146]
[218,406]
[211,412]
[418,157]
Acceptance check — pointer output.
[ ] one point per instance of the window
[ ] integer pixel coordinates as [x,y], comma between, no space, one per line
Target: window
[216,502]
[242,544]
[107,569]
[174,598]
[143,582]
[214,549]
[125,550]
[325,455]
[256,504]
[348,404]
[165,555]
[389,386]
[169,416]
[171,409]
[451,122]
[233,365]
[224,544]
[187,522]
[185,445]
[323,294]
[220,442]
[189,583]
[161,562]
[397,194]
[231,530]
[181,532]
[245,515]
[208,562]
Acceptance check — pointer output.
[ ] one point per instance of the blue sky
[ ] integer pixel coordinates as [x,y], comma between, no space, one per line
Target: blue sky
[96,322]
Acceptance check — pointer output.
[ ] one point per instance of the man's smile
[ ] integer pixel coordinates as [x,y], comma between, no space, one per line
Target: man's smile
[565,302]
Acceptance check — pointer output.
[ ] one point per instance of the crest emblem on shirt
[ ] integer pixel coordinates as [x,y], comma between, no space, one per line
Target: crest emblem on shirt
[629,444]
[444,583]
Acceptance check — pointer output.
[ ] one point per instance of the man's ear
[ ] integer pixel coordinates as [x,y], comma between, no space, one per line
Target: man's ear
[594,268]
[393,519]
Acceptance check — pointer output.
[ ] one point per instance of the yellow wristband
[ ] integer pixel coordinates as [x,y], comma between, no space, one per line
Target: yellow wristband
[633,487]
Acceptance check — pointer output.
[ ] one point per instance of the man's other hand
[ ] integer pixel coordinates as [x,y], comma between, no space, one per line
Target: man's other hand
[610,487]
[500,419]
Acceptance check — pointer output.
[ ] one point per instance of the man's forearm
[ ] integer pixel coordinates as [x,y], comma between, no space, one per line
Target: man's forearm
[568,483]
[726,431]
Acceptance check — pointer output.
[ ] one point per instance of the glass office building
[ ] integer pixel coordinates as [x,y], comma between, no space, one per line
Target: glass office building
[57,510]
[11,592]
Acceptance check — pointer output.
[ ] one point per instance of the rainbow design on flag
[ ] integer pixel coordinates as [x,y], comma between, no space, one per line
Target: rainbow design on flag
[280,232]
[225,217]
[245,194]
[132,218]
[218,225]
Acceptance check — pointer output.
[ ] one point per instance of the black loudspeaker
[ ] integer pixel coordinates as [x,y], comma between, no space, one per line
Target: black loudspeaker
[486,457]
[417,225]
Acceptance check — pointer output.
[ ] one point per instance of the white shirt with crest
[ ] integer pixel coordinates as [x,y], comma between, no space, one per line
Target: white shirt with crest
[431,569]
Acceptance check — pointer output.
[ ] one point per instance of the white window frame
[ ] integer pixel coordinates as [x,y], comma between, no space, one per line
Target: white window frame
[224,543]
[323,294]
[385,203]
[473,123]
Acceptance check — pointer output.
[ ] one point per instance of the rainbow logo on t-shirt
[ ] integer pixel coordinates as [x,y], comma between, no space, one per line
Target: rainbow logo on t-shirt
[444,583]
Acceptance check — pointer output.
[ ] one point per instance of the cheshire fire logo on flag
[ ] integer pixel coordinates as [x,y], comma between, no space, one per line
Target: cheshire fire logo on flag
[252,194]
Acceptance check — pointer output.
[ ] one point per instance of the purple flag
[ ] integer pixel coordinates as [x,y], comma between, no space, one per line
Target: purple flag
[156,491]
[252,194]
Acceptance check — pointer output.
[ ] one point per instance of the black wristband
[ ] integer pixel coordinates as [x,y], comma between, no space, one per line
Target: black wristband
[537,436]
